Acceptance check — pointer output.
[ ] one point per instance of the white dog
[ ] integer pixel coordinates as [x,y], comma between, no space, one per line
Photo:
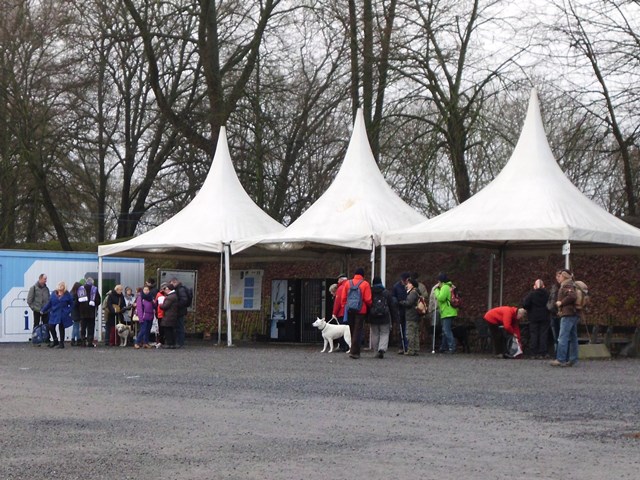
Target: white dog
[123,332]
[331,332]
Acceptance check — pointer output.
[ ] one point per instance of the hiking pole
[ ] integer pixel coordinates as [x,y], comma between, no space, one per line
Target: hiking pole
[402,336]
[435,313]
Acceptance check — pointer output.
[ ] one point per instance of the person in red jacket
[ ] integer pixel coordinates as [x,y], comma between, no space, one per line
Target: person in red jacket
[338,308]
[356,319]
[508,318]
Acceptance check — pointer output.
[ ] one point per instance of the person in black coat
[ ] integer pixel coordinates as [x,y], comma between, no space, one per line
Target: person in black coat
[384,310]
[535,303]
[115,306]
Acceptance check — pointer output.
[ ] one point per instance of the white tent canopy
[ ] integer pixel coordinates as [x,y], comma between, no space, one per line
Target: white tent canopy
[220,213]
[354,211]
[531,202]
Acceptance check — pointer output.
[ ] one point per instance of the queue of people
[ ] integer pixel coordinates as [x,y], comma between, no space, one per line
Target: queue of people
[140,310]
[388,310]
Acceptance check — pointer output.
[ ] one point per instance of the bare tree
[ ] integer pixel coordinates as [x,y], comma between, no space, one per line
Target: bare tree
[290,121]
[36,88]
[451,75]
[604,37]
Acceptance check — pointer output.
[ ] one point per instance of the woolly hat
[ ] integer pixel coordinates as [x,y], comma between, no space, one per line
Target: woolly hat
[359,271]
[442,277]
[377,281]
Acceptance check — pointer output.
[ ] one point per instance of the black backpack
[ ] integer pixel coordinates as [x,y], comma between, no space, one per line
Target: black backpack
[379,305]
[189,292]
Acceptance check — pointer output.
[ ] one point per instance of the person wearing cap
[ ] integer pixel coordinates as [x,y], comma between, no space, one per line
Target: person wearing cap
[338,308]
[399,291]
[356,319]
[567,351]
[448,313]
[535,303]
[503,320]
[412,318]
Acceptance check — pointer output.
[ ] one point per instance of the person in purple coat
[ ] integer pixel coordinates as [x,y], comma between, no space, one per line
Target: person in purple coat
[59,309]
[145,311]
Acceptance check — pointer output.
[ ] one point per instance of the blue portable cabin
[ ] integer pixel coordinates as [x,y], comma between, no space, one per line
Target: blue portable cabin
[20,269]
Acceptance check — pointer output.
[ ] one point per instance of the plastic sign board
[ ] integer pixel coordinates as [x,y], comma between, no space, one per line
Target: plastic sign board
[246,289]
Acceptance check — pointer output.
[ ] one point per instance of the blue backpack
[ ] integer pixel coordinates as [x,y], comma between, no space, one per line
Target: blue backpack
[40,334]
[354,297]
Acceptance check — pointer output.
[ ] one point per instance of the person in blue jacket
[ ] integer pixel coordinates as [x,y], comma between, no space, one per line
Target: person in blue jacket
[59,309]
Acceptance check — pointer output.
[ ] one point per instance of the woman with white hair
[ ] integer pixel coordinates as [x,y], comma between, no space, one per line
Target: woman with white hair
[59,309]
[535,303]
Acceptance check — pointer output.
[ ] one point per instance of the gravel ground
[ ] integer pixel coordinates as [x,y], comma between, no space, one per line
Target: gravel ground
[290,412]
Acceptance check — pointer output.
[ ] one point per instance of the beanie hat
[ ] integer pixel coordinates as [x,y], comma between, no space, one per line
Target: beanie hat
[359,271]
[377,281]
[442,277]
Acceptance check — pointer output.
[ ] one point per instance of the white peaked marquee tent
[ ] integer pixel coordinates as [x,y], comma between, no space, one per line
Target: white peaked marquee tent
[531,204]
[355,210]
[220,213]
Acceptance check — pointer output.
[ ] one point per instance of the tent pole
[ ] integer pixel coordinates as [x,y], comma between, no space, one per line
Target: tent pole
[383,264]
[220,298]
[227,291]
[372,257]
[567,252]
[490,295]
[501,273]
[100,306]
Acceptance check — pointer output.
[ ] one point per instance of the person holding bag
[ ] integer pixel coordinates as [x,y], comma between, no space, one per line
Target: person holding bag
[509,319]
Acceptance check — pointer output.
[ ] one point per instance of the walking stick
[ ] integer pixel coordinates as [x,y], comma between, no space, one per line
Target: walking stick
[433,349]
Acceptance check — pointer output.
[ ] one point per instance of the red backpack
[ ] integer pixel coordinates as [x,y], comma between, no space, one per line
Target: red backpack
[456,298]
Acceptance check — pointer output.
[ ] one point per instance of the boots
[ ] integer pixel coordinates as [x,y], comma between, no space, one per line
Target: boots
[54,343]
[61,345]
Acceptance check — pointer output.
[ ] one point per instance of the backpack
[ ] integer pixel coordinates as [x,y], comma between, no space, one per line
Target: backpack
[582,295]
[379,306]
[422,307]
[354,297]
[40,334]
[189,292]
[456,298]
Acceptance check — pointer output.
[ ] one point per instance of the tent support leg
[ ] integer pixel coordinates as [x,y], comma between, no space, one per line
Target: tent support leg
[220,297]
[227,291]
[383,264]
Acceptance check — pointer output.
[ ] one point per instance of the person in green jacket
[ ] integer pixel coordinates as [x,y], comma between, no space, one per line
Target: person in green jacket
[447,313]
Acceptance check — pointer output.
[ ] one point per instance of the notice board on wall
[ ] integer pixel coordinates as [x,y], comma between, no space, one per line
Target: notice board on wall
[246,289]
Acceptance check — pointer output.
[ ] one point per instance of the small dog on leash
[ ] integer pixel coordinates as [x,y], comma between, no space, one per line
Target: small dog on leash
[124,331]
[331,332]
